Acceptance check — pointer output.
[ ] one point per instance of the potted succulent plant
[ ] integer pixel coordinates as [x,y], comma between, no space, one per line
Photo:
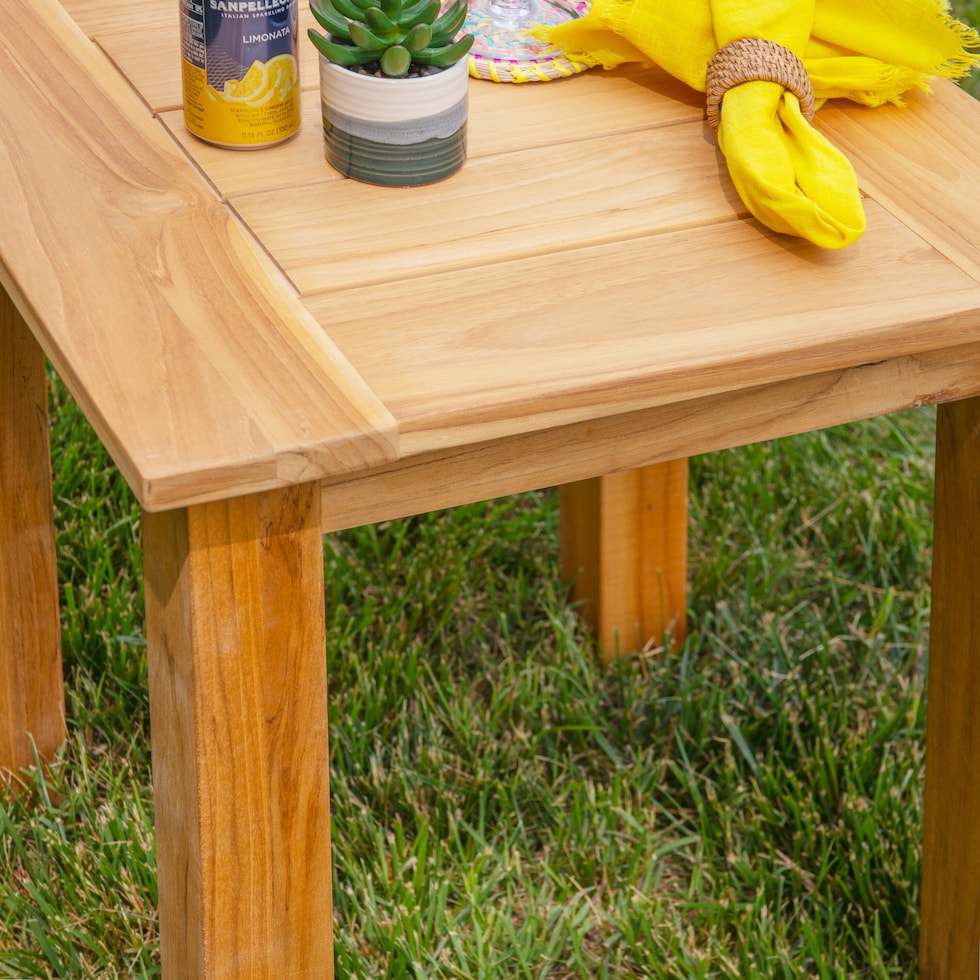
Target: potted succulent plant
[393,86]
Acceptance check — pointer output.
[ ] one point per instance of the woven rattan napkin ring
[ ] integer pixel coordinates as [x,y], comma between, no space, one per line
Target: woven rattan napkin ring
[752,59]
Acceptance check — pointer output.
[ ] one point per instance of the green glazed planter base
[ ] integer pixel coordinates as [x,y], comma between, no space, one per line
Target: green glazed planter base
[397,132]
[392,165]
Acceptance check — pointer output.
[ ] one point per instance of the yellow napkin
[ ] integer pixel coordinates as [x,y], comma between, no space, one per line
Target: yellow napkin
[788,175]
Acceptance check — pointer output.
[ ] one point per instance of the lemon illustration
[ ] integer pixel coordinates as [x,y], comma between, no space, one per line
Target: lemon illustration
[254,86]
[282,71]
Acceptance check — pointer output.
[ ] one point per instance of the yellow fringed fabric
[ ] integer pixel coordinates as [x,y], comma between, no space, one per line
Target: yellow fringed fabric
[788,175]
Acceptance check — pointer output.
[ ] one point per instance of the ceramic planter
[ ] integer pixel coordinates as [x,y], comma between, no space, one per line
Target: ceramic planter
[400,132]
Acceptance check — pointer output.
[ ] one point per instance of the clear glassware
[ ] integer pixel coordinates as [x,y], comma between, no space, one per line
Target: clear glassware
[503,39]
[512,14]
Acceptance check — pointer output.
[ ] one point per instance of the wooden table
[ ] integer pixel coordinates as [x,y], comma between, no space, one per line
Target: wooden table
[270,352]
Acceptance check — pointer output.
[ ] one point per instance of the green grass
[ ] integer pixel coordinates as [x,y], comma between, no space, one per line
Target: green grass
[749,806]
[970,13]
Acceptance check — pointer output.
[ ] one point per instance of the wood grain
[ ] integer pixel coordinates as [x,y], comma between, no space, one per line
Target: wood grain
[298,161]
[96,16]
[502,119]
[479,471]
[950,923]
[32,700]
[183,344]
[640,323]
[238,700]
[623,545]
[920,162]
[352,234]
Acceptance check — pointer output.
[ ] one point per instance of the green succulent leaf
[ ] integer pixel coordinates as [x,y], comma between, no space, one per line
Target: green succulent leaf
[420,12]
[392,32]
[348,9]
[330,19]
[367,39]
[443,57]
[341,54]
[395,61]
[418,38]
[449,23]
[379,21]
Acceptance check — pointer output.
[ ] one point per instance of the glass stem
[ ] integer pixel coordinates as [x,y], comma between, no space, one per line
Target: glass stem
[510,14]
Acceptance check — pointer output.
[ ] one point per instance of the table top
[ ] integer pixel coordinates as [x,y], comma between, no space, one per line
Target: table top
[231,322]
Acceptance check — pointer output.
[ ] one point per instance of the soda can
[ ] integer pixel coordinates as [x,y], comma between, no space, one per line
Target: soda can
[240,71]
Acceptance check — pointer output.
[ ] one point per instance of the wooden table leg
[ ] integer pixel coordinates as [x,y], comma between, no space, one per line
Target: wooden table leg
[238,713]
[624,548]
[949,945]
[32,691]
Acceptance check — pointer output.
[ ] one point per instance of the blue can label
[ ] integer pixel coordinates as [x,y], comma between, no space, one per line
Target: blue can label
[240,70]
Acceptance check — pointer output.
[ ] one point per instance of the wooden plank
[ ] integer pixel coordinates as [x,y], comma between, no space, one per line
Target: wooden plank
[502,119]
[919,162]
[181,341]
[32,700]
[149,59]
[97,16]
[623,545]
[352,234]
[505,117]
[950,929]
[448,477]
[734,307]
[643,557]
[297,162]
[238,703]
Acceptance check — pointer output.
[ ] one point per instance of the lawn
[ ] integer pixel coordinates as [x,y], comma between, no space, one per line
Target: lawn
[747,806]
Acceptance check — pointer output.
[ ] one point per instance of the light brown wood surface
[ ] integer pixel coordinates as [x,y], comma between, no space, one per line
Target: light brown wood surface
[624,551]
[639,326]
[98,17]
[582,450]
[238,708]
[32,702]
[590,260]
[445,478]
[648,183]
[925,175]
[175,332]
